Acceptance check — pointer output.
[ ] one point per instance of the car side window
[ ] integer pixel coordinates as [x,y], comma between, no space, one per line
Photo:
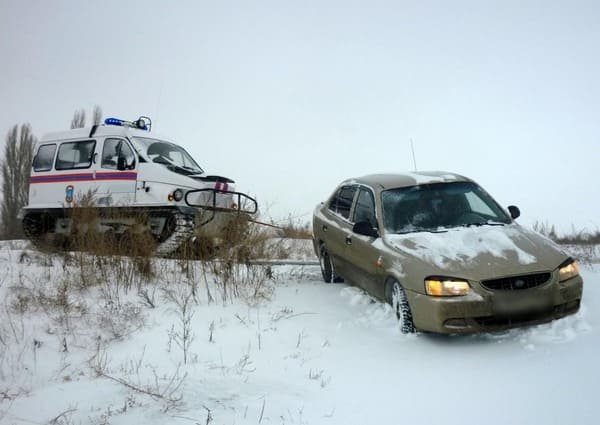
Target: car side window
[74,155]
[341,203]
[44,158]
[115,150]
[365,208]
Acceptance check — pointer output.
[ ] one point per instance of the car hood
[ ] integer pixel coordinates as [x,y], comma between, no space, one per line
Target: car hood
[476,253]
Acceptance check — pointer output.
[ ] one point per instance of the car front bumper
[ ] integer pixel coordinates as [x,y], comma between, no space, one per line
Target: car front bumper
[489,311]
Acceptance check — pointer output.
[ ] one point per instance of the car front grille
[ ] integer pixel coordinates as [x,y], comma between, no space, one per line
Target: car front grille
[517,283]
[502,322]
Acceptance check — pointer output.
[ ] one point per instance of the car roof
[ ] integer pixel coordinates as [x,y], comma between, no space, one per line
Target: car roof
[381,182]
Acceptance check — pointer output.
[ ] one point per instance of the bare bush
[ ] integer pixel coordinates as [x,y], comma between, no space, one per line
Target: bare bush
[295,229]
[574,237]
[125,257]
[583,244]
[165,388]
[182,298]
[232,259]
[120,320]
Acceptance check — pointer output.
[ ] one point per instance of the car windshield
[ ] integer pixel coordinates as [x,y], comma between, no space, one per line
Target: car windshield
[435,207]
[169,154]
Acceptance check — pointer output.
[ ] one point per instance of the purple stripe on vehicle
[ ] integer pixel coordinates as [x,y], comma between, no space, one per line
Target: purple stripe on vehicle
[61,178]
[116,176]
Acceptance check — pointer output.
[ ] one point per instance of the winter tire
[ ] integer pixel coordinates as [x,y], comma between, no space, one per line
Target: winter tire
[401,307]
[327,269]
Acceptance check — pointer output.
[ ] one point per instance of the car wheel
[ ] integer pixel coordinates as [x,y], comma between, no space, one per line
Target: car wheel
[327,269]
[400,305]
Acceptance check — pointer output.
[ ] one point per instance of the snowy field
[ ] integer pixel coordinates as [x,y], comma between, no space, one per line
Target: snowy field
[158,352]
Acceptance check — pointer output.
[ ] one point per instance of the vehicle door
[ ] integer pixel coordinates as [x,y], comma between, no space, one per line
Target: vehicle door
[72,177]
[336,226]
[359,251]
[115,173]
[43,191]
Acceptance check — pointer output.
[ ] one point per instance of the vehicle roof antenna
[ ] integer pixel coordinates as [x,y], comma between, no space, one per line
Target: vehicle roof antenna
[412,148]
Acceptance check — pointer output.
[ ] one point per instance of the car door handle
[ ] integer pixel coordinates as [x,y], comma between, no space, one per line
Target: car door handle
[348,240]
[324,228]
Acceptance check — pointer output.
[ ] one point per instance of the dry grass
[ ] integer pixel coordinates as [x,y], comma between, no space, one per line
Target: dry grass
[574,237]
[582,244]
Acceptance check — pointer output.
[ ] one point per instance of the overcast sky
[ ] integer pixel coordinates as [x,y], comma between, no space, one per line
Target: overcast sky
[289,98]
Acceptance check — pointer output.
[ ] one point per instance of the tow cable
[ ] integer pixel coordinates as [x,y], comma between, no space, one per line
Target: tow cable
[282,262]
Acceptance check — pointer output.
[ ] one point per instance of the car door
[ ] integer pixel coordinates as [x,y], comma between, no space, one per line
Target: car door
[336,226]
[360,253]
[116,173]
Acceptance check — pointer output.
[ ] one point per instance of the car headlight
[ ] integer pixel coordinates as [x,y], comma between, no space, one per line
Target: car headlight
[568,271]
[446,287]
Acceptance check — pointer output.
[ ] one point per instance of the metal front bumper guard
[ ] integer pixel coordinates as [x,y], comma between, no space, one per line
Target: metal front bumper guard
[245,204]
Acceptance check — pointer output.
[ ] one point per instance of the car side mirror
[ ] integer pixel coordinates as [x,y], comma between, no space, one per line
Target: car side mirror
[121,163]
[365,228]
[515,212]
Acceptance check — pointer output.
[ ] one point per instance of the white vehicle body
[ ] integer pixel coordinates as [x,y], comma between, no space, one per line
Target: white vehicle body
[124,167]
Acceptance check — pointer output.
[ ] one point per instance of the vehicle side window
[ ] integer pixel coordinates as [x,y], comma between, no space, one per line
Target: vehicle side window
[341,203]
[44,158]
[116,150]
[74,155]
[365,208]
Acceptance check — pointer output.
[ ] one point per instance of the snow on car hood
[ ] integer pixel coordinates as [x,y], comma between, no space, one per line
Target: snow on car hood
[478,252]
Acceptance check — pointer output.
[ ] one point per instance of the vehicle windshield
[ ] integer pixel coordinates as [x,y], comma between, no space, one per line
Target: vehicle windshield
[435,207]
[174,157]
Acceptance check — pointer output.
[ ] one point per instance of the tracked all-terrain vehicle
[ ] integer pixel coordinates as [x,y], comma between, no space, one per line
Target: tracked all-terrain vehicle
[130,181]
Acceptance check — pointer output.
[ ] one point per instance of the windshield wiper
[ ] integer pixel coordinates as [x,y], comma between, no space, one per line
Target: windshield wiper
[484,223]
[441,230]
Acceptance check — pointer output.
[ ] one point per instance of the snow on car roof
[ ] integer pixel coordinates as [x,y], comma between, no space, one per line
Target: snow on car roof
[388,181]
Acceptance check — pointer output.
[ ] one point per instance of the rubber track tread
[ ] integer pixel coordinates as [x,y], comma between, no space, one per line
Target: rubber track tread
[184,230]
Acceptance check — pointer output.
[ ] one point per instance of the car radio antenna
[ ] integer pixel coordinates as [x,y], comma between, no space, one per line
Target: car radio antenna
[412,148]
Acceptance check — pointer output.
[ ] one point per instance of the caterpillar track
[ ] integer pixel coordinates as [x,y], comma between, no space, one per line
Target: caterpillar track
[183,230]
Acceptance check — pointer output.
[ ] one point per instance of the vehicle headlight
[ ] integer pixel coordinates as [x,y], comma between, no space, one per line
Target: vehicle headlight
[446,287]
[176,195]
[568,271]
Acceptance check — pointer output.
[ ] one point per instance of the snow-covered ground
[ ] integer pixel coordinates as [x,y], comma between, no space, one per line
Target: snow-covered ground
[314,353]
